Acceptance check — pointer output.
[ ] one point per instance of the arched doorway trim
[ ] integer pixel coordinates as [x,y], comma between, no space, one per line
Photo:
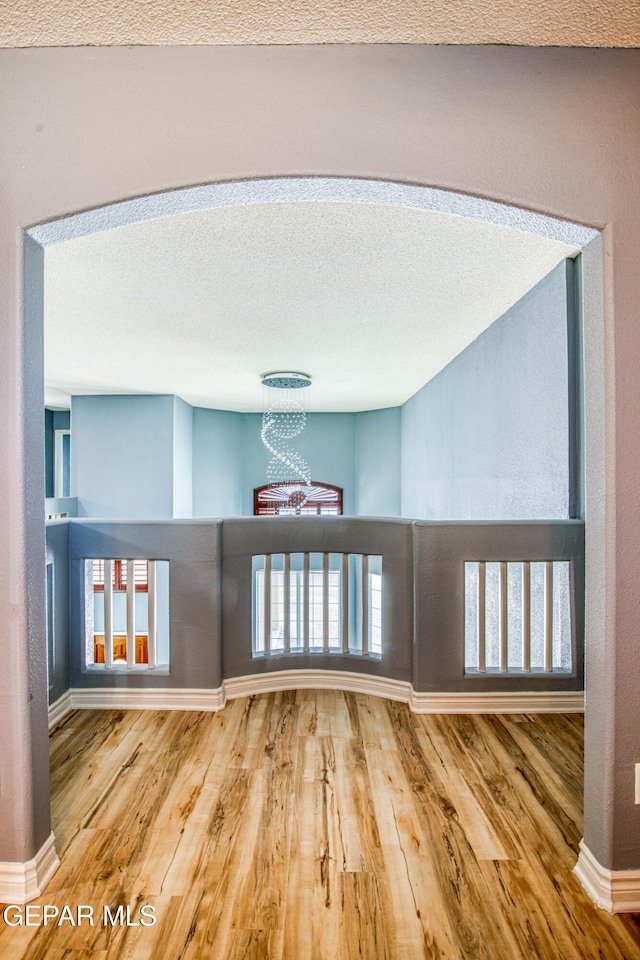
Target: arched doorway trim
[310,190]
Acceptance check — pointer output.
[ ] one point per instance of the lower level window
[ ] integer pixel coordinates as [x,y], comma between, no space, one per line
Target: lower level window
[317,603]
[518,617]
[141,641]
[126,614]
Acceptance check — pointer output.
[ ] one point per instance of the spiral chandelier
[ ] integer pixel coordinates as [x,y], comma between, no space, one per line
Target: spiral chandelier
[284,419]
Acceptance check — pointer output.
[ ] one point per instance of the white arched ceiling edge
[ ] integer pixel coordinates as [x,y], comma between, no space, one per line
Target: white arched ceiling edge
[312,190]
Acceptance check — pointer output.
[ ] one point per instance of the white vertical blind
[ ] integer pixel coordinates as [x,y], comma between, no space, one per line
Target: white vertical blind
[482,615]
[518,616]
[365,604]
[325,603]
[108,613]
[267,604]
[503,618]
[548,616]
[345,603]
[526,617]
[131,615]
[286,594]
[307,603]
[152,613]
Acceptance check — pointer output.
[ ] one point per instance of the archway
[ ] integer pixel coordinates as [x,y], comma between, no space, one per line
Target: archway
[313,189]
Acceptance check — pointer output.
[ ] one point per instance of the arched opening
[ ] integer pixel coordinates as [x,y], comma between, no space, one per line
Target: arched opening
[406,316]
[550,130]
[334,191]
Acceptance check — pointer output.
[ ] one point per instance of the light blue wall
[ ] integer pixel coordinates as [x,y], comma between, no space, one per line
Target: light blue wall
[327,444]
[122,456]
[487,439]
[217,463]
[182,459]
[377,491]
[145,457]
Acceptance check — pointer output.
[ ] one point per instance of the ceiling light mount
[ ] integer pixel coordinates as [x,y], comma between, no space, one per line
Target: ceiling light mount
[286,380]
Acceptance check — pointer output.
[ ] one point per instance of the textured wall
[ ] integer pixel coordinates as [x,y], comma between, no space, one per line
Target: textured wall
[182,458]
[557,131]
[217,463]
[57,538]
[487,438]
[587,23]
[378,463]
[327,444]
[193,552]
[122,456]
[359,452]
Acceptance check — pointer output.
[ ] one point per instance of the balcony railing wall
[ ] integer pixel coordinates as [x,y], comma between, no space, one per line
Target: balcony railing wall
[390,539]
[440,553]
[211,584]
[193,550]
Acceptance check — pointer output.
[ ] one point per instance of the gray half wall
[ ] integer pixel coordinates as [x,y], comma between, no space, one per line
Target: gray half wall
[48,453]
[439,554]
[193,551]
[58,616]
[245,538]
[211,589]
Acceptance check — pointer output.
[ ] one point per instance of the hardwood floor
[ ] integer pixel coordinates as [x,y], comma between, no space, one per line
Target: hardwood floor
[318,825]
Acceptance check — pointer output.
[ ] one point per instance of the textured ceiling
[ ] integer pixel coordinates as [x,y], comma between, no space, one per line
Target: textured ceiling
[372,301]
[589,23]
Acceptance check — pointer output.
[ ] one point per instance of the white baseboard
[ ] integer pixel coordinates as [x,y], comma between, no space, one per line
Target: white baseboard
[530,701]
[317,680]
[617,891]
[132,698]
[59,709]
[22,882]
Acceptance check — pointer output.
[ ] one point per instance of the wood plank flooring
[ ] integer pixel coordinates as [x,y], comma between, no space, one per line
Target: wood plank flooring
[319,825]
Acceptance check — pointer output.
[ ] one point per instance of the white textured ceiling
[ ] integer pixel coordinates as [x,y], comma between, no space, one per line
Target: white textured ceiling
[372,301]
[594,23]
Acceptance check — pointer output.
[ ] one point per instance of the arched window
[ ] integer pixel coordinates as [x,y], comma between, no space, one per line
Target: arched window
[285,499]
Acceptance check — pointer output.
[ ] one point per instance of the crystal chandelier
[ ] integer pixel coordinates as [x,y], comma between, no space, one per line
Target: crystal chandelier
[283,420]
